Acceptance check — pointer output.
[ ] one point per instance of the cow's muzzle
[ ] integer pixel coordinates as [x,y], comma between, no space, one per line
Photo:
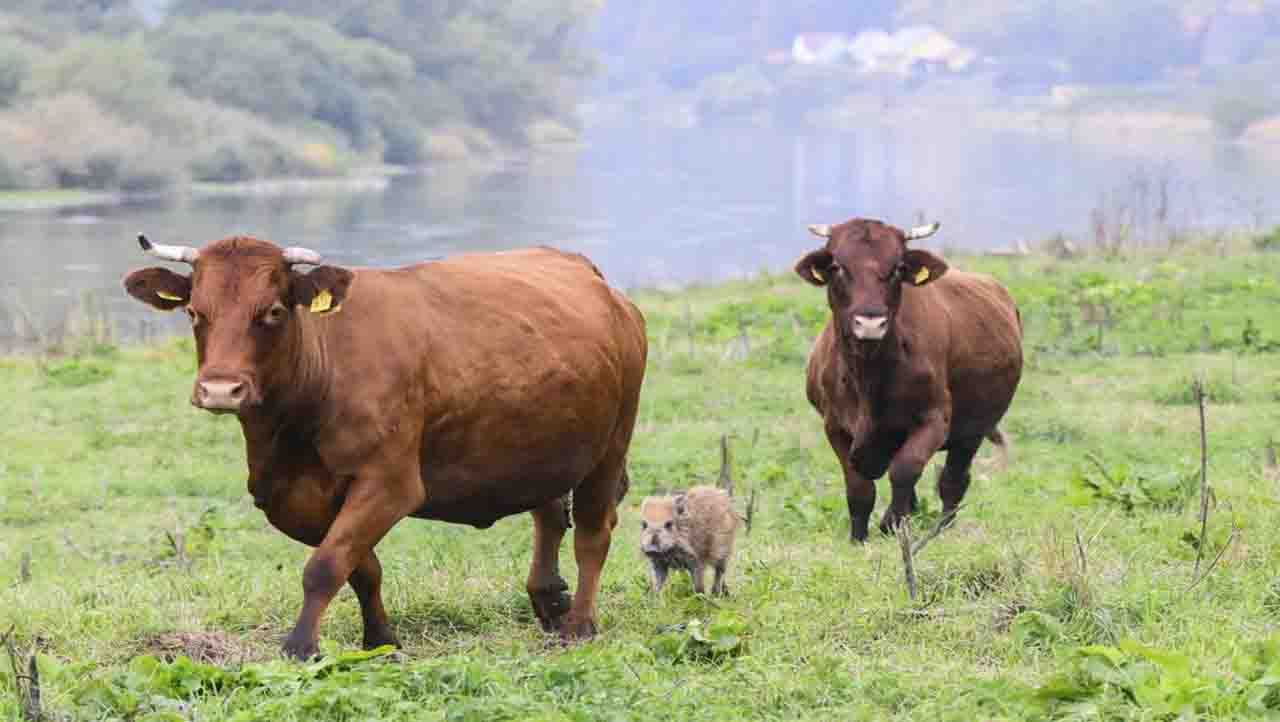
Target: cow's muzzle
[222,396]
[870,328]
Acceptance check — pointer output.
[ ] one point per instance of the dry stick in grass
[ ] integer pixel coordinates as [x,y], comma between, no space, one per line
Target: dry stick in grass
[179,547]
[66,539]
[751,509]
[726,466]
[24,568]
[1198,389]
[903,531]
[1081,556]
[1098,463]
[941,526]
[1235,531]
[28,693]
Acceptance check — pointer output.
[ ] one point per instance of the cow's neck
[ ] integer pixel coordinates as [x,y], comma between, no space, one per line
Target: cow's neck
[297,384]
[866,366]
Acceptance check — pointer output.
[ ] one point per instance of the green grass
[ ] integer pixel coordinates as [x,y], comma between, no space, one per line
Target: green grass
[104,462]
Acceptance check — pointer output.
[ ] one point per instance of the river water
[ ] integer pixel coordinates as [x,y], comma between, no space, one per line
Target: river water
[651,207]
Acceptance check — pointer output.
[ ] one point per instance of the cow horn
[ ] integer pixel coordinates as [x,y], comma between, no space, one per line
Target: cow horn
[821,230]
[919,232]
[295,254]
[184,254]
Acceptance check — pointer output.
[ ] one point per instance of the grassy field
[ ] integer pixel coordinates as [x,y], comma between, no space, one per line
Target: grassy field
[1064,590]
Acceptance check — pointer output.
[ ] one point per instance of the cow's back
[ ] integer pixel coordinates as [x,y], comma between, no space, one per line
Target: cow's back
[526,362]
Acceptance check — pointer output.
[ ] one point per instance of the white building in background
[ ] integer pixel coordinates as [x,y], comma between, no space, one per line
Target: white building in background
[820,48]
[918,48]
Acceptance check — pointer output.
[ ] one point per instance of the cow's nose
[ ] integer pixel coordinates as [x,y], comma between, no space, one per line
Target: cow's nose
[221,395]
[870,327]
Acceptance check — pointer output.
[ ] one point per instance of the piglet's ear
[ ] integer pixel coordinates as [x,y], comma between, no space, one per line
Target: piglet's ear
[815,267]
[159,288]
[322,289]
[922,267]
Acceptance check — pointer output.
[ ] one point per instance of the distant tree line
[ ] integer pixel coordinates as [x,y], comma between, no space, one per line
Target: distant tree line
[92,95]
[1215,56]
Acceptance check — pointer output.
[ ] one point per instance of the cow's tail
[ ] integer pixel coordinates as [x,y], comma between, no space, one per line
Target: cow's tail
[624,485]
[1001,442]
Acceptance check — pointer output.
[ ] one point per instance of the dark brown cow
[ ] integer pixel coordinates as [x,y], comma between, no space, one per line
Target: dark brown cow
[914,359]
[463,390]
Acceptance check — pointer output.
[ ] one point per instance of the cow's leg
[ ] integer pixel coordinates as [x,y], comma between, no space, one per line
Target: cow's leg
[861,469]
[859,491]
[953,480]
[547,589]
[366,582]
[594,517]
[373,504]
[907,465]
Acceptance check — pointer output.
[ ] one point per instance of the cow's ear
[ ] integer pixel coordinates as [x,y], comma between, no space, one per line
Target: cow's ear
[815,267]
[322,289]
[159,287]
[681,504]
[921,267]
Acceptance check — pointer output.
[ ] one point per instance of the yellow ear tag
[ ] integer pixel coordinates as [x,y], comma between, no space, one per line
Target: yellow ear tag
[168,296]
[322,302]
[922,275]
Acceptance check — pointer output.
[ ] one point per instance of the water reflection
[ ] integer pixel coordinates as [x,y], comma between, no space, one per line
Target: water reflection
[650,207]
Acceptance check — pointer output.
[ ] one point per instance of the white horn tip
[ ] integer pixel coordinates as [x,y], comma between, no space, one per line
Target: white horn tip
[923,231]
[821,230]
[295,254]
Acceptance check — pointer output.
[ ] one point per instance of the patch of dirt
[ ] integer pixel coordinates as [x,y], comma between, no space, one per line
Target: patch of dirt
[203,647]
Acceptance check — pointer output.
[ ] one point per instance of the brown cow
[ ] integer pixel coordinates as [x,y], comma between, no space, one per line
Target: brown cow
[463,390]
[913,360]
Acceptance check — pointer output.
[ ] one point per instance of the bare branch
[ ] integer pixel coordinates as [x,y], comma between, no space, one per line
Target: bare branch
[1198,389]
[1081,556]
[27,686]
[726,466]
[1235,532]
[1098,463]
[941,526]
[903,531]
[66,538]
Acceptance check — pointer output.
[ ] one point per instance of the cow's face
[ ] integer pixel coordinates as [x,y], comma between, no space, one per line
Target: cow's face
[244,300]
[864,265]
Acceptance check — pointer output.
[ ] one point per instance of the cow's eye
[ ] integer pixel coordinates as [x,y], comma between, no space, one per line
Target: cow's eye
[274,315]
[667,525]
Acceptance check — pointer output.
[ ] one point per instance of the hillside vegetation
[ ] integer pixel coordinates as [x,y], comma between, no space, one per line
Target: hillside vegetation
[94,96]
[135,565]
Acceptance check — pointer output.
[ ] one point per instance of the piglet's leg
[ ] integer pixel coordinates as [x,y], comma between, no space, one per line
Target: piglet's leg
[657,575]
[908,464]
[698,571]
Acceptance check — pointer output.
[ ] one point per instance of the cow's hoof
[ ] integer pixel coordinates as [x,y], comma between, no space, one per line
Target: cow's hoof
[889,524]
[577,630]
[551,605]
[858,533]
[380,638]
[299,649]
